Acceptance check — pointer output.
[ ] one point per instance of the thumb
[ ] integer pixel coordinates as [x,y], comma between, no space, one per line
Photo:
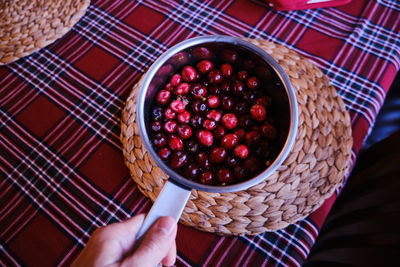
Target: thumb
[155,245]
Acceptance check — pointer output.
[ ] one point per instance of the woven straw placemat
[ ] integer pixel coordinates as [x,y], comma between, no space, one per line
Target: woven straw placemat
[29,25]
[315,167]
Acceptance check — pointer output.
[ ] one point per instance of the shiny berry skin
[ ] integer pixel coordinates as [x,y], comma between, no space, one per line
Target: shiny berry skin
[184,117]
[245,121]
[191,146]
[229,121]
[209,124]
[224,176]
[239,172]
[251,164]
[205,66]
[205,137]
[258,112]
[207,177]
[226,70]
[191,171]
[189,74]
[219,132]
[157,113]
[197,121]
[241,151]
[174,142]
[164,153]
[229,141]
[214,115]
[163,97]
[201,157]
[238,88]
[198,106]
[240,108]
[182,89]
[225,86]
[170,126]
[169,114]
[176,79]
[198,90]
[252,138]
[159,140]
[184,131]
[232,160]
[217,154]
[263,100]
[250,96]
[202,53]
[214,89]
[242,75]
[178,159]
[169,87]
[156,126]
[229,56]
[213,101]
[269,131]
[252,82]
[227,103]
[214,76]
[177,106]
[240,133]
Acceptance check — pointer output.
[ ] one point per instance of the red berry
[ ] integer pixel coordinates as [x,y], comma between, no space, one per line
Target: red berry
[156,126]
[252,138]
[229,121]
[240,133]
[191,146]
[198,90]
[219,132]
[164,153]
[175,143]
[178,159]
[224,176]
[170,126]
[229,56]
[251,164]
[242,75]
[229,141]
[189,74]
[225,86]
[227,103]
[184,117]
[238,88]
[239,172]
[213,101]
[163,97]
[207,177]
[214,76]
[226,70]
[169,87]
[263,100]
[241,151]
[258,112]
[252,82]
[159,140]
[182,89]
[205,137]
[201,157]
[169,114]
[184,131]
[209,124]
[191,171]
[214,115]
[232,160]
[217,154]
[214,89]
[177,106]
[197,121]
[176,79]
[198,106]
[204,66]
[202,53]
[268,131]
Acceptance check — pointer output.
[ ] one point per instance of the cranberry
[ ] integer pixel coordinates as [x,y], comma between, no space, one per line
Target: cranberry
[252,82]
[219,132]
[232,160]
[214,89]
[250,96]
[184,117]
[213,101]
[251,164]
[191,146]
[263,100]
[217,154]
[191,171]
[198,106]
[170,126]
[178,159]
[163,97]
[169,87]
[156,126]
[237,88]
[159,140]
[157,113]
[227,103]
[198,90]
[252,138]
[240,133]
[214,76]
[182,89]
[240,108]
[174,142]
[241,151]
[205,137]
[189,74]
[197,121]
[201,157]
[214,115]
[225,86]
[169,114]
[209,124]
[164,153]
[224,176]
[177,106]
[269,131]
[176,79]
[239,172]
[229,56]
[204,82]
[226,70]
[179,59]
[229,141]
[202,53]
[245,121]
[205,66]
[262,149]
[258,112]
[207,177]
[229,121]
[184,131]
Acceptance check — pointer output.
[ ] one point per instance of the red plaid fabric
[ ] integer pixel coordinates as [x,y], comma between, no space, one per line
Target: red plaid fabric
[62,170]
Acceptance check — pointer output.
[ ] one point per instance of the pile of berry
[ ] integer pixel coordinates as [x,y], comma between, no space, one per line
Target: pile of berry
[212,123]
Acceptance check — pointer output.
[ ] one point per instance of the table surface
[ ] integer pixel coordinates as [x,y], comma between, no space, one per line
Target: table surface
[63,173]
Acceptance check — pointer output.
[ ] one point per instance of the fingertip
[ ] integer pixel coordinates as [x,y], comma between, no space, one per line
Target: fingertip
[166,225]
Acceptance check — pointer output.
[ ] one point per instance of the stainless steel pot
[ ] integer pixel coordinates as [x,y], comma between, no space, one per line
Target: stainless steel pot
[176,191]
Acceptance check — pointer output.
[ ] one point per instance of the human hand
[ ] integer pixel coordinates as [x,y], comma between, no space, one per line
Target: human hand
[112,245]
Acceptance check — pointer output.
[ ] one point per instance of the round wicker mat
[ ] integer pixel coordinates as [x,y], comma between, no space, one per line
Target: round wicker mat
[28,25]
[315,167]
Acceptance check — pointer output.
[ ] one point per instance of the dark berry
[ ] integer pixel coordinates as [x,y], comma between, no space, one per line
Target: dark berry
[229,141]
[178,159]
[201,157]
[197,121]
[214,115]
[251,164]
[159,140]
[170,126]
[202,53]
[240,108]
[184,117]
[214,89]
[209,124]
[163,97]
[156,126]
[250,96]
[242,75]
[225,86]
[191,171]
[240,133]
[169,87]
[189,74]
[164,153]
[177,106]
[198,106]
[229,56]
[213,101]
[157,113]
[227,103]
[205,137]
[214,76]
[252,138]
[258,112]
[224,176]
[184,131]
[219,132]
[241,151]
[205,66]
[269,131]
[229,121]
[182,89]
[207,177]
[239,172]
[191,146]
[176,79]
[198,90]
[252,82]
[217,154]
[238,88]
[169,114]
[263,100]
[226,70]
[245,121]
[232,160]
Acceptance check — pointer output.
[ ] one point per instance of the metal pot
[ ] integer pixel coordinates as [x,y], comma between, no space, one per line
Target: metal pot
[176,191]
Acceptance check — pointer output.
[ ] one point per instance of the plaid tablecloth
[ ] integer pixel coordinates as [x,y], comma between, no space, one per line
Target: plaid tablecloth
[62,170]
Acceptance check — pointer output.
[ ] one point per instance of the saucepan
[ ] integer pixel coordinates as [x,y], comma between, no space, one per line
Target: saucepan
[176,191]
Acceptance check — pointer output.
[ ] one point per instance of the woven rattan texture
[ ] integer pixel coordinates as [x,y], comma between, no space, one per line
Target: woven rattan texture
[315,167]
[28,25]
